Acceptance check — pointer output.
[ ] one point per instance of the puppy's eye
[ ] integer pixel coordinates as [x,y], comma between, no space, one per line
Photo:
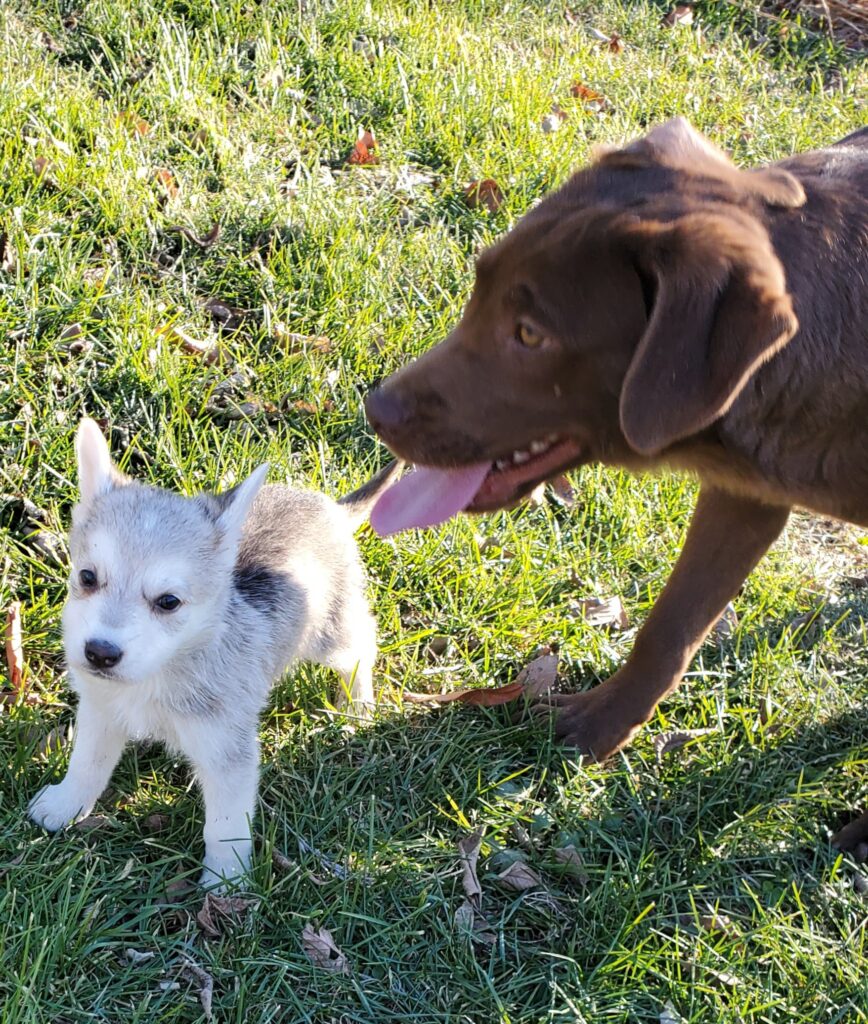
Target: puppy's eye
[528,337]
[87,578]
[167,603]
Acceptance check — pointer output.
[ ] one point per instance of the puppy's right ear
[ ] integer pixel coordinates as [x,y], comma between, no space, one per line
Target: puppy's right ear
[97,473]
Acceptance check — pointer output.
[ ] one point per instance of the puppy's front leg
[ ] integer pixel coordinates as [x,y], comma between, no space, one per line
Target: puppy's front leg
[728,535]
[99,742]
[226,759]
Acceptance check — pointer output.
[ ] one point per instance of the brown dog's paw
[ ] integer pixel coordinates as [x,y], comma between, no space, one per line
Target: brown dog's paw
[853,838]
[592,722]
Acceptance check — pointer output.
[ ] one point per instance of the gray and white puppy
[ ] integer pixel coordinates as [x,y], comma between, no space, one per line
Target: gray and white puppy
[182,612]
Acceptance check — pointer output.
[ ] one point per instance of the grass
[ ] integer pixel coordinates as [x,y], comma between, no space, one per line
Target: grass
[252,108]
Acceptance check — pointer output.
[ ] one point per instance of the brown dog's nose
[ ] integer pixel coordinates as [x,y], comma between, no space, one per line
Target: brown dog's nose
[388,411]
[102,653]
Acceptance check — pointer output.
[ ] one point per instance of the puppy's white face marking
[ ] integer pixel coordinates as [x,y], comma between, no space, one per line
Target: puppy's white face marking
[153,610]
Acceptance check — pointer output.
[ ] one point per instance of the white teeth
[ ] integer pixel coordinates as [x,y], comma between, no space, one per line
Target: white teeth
[538,447]
[519,457]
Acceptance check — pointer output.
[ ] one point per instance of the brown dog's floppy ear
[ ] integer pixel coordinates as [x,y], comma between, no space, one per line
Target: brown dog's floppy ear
[721,309]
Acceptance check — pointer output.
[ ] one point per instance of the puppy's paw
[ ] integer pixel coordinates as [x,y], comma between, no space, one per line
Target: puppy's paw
[56,806]
[226,869]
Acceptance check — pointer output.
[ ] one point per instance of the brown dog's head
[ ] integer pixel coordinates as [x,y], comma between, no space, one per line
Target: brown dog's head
[623,314]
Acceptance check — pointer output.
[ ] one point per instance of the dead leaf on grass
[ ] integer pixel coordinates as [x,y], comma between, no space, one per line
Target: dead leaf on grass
[485,193]
[192,972]
[227,318]
[468,854]
[137,956]
[538,676]
[604,613]
[571,861]
[321,950]
[709,922]
[519,877]
[727,624]
[15,665]
[166,180]
[187,343]
[669,1015]
[93,822]
[294,342]
[43,168]
[615,43]
[203,241]
[666,742]
[282,862]
[592,100]
[468,920]
[680,16]
[487,697]
[157,822]
[553,120]
[8,258]
[364,152]
[219,914]
[134,124]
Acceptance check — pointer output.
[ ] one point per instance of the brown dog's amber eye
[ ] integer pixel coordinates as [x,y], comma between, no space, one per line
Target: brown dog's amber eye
[529,337]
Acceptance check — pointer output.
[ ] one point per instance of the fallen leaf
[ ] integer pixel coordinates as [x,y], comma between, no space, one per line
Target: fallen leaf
[484,697]
[563,491]
[711,922]
[134,124]
[595,33]
[203,241]
[605,613]
[49,546]
[166,179]
[364,151]
[538,676]
[727,624]
[194,973]
[92,823]
[72,332]
[553,120]
[681,15]
[669,1015]
[615,43]
[293,341]
[136,956]
[42,168]
[485,193]
[8,259]
[586,94]
[438,646]
[219,913]
[468,853]
[282,862]
[157,822]
[571,860]
[228,318]
[187,343]
[519,877]
[14,646]
[322,951]
[666,742]
[468,920]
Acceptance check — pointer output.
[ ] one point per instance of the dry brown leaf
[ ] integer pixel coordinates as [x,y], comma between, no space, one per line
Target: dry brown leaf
[166,180]
[519,877]
[468,920]
[468,853]
[538,676]
[205,983]
[615,44]
[282,862]
[364,151]
[227,318]
[293,342]
[219,913]
[666,742]
[485,193]
[187,343]
[727,624]
[157,822]
[679,16]
[322,951]
[710,922]
[563,491]
[605,613]
[93,822]
[42,168]
[571,860]
[14,646]
[134,124]
[488,697]
[203,241]
[8,259]
[593,100]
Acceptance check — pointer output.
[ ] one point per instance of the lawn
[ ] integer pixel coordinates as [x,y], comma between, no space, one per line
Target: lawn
[701,886]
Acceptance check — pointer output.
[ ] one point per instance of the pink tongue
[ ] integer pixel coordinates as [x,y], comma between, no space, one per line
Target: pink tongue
[426,497]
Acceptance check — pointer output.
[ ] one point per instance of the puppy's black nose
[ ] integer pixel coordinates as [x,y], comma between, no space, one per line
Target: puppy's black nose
[387,411]
[102,653]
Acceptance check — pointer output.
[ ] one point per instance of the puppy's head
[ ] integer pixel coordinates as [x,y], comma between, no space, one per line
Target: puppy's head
[151,570]
[622,315]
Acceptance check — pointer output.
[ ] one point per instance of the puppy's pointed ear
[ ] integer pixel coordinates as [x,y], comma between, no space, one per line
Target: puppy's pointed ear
[720,310]
[97,474]
[233,506]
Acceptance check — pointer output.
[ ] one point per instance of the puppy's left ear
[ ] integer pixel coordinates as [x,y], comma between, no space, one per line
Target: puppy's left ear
[97,474]
[234,505]
[721,309]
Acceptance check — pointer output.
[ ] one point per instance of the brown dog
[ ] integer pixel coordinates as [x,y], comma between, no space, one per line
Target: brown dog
[663,307]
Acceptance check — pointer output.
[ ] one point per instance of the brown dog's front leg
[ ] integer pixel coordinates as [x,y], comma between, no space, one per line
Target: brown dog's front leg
[726,539]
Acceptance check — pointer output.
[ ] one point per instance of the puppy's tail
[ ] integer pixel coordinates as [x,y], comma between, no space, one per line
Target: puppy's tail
[359,502]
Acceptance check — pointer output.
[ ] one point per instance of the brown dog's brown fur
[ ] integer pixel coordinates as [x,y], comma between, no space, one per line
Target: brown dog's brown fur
[697,316]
